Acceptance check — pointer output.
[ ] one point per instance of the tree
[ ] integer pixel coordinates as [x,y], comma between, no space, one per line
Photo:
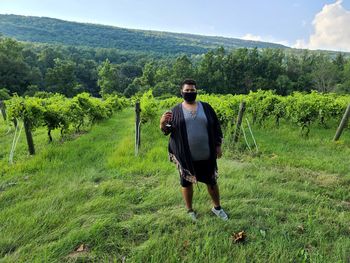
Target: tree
[344,87]
[31,90]
[283,85]
[46,58]
[324,74]
[14,71]
[148,75]
[339,61]
[165,88]
[86,74]
[270,69]
[62,79]
[4,94]
[211,74]
[133,88]
[181,70]
[110,79]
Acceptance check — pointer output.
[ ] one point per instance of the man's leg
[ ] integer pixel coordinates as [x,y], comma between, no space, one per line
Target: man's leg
[215,196]
[187,193]
[213,190]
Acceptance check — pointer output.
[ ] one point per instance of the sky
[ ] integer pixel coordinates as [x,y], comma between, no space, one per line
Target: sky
[313,24]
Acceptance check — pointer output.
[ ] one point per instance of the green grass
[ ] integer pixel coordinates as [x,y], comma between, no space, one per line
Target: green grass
[292,200]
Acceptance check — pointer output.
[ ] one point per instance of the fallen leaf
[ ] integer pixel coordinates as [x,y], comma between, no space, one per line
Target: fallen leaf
[301,229]
[263,233]
[186,244]
[78,252]
[309,247]
[239,237]
[273,156]
[81,248]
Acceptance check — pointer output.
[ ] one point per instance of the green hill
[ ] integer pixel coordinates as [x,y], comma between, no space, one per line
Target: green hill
[49,30]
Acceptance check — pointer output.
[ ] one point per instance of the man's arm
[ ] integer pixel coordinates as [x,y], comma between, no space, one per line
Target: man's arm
[218,136]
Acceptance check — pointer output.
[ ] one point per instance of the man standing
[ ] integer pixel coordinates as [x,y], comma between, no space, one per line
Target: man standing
[194,145]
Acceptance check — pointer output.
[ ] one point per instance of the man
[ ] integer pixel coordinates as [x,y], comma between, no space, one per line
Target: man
[194,145]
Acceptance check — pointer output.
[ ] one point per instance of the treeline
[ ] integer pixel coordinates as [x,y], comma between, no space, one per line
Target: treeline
[244,70]
[27,69]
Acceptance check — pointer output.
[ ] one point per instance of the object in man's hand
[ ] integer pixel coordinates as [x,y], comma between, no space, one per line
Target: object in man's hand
[168,122]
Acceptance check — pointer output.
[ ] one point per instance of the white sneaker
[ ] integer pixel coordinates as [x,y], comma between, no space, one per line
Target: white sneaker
[192,215]
[220,213]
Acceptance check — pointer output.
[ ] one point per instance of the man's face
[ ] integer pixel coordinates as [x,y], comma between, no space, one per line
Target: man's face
[189,88]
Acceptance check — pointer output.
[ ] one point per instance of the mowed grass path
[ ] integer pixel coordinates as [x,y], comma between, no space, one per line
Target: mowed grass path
[293,201]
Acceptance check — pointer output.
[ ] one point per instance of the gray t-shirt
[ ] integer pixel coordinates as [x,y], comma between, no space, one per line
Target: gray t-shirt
[197,133]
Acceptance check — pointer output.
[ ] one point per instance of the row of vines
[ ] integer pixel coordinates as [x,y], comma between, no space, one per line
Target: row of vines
[59,112]
[302,109]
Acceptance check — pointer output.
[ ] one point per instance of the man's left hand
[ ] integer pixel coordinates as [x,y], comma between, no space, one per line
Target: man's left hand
[218,152]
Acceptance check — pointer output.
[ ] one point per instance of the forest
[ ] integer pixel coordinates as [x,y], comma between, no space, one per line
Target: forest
[29,68]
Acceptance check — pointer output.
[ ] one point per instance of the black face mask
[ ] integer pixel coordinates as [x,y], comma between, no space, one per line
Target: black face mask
[189,96]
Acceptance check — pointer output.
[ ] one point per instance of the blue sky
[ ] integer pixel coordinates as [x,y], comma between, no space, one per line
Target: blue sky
[290,22]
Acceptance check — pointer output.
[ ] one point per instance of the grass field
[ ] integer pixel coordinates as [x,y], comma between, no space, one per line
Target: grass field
[292,200]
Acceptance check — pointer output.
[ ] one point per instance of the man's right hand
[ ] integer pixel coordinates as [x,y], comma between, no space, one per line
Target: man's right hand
[166,117]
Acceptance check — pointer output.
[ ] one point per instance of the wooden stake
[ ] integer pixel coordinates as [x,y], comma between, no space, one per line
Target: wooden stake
[342,124]
[29,136]
[239,121]
[3,110]
[137,128]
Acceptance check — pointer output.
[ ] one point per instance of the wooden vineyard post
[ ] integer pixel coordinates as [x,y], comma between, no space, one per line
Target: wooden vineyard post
[29,136]
[137,127]
[239,121]
[342,124]
[3,110]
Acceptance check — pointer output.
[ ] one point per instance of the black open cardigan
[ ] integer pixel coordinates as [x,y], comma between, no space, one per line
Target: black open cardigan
[178,148]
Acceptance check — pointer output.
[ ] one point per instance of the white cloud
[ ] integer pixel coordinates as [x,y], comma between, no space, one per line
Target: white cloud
[331,29]
[264,39]
[300,43]
[251,37]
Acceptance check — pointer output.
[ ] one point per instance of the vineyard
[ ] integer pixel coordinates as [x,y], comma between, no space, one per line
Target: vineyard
[300,109]
[85,197]
[58,112]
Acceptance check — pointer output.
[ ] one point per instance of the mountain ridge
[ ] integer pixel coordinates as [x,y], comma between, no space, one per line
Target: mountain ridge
[58,31]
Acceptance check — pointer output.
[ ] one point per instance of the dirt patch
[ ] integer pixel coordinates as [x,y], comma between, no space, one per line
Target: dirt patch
[325,179]
[320,178]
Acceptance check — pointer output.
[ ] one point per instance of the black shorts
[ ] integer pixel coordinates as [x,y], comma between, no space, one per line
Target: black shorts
[202,171]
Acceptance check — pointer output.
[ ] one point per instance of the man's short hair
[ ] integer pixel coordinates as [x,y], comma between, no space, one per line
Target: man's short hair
[188,82]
